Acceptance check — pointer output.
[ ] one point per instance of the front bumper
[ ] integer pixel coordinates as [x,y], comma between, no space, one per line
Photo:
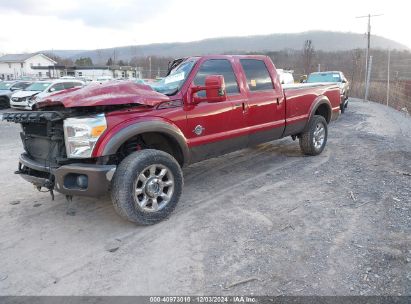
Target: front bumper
[63,179]
[22,105]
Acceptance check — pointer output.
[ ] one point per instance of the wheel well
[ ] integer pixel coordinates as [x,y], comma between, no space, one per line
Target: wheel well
[324,111]
[151,140]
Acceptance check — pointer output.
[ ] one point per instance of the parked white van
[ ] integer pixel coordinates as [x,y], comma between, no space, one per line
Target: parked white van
[26,98]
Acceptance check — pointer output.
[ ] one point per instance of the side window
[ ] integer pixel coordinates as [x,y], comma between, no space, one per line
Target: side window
[20,85]
[58,87]
[68,85]
[258,77]
[217,67]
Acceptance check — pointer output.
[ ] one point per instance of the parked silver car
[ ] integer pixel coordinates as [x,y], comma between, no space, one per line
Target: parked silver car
[336,77]
[7,88]
[26,98]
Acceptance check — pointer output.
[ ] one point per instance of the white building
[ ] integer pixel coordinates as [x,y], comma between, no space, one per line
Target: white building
[90,72]
[14,66]
[126,72]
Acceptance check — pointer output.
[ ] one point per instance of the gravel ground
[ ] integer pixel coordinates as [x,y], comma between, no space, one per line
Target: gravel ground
[261,221]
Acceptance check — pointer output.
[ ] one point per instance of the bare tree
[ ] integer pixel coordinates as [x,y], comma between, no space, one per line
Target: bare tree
[308,56]
[356,67]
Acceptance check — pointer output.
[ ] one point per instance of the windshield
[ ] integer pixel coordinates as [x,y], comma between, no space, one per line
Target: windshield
[324,77]
[37,86]
[5,85]
[173,82]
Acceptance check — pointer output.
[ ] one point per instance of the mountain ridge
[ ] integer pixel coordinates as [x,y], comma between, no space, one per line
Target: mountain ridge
[322,40]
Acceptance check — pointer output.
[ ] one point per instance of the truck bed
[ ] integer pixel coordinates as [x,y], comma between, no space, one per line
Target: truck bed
[300,97]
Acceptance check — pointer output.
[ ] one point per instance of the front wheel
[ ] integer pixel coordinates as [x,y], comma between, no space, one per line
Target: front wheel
[147,186]
[342,107]
[4,103]
[314,138]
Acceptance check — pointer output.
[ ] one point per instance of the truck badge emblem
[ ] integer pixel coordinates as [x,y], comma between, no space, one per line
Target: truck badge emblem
[199,130]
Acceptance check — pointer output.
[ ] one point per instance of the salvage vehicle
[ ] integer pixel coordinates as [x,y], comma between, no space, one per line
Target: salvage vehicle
[26,98]
[333,77]
[7,88]
[133,139]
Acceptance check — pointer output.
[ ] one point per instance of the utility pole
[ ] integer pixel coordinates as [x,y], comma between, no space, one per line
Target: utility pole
[388,76]
[367,84]
[149,63]
[367,54]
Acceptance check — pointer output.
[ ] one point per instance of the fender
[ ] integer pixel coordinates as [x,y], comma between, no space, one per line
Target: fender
[110,145]
[320,100]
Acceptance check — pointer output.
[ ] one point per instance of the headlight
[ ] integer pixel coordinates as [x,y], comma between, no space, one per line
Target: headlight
[31,99]
[81,135]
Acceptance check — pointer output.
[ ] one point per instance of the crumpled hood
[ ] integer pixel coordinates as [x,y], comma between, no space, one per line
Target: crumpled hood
[21,94]
[109,93]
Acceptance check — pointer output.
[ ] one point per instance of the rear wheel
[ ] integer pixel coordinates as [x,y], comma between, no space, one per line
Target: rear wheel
[313,140]
[147,186]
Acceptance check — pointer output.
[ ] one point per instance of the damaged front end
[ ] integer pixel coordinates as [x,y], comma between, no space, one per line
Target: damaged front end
[43,140]
[45,163]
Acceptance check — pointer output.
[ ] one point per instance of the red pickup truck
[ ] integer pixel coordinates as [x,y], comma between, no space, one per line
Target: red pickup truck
[134,138]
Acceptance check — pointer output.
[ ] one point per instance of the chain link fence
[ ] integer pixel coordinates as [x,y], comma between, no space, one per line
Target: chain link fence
[390,82]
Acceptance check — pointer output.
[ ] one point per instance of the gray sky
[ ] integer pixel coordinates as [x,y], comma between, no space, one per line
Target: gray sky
[32,25]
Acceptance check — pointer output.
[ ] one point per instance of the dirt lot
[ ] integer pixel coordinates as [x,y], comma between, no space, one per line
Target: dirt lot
[262,221]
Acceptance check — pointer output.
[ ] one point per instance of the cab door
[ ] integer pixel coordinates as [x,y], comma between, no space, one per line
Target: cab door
[216,128]
[266,106]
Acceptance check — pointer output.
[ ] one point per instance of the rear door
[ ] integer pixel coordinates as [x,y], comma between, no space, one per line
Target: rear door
[215,128]
[266,106]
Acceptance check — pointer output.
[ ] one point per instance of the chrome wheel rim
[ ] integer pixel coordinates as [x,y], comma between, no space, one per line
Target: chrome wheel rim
[319,136]
[153,188]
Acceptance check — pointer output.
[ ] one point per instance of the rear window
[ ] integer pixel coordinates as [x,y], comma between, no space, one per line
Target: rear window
[324,77]
[21,85]
[258,77]
[5,85]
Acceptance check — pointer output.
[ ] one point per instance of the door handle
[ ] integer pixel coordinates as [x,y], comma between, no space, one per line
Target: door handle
[240,105]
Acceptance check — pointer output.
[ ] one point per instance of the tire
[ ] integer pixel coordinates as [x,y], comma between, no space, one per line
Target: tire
[310,143]
[150,199]
[4,103]
[342,107]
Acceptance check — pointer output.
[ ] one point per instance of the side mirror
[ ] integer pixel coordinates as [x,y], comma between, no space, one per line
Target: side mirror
[14,89]
[214,87]
[52,89]
[344,81]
